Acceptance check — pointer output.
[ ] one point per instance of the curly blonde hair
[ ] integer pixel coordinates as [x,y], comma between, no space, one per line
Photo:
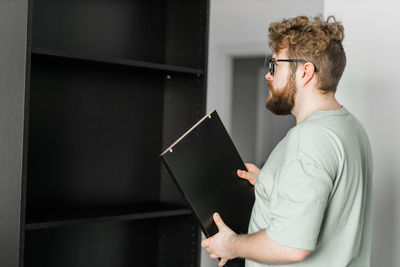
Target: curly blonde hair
[315,40]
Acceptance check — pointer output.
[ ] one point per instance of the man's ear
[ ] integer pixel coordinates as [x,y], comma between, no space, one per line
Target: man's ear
[308,72]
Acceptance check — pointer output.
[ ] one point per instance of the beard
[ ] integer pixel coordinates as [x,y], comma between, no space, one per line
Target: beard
[281,102]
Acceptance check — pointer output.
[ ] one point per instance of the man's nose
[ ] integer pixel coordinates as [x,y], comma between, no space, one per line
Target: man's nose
[269,77]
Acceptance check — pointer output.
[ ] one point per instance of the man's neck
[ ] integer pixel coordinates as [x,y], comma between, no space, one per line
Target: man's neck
[306,106]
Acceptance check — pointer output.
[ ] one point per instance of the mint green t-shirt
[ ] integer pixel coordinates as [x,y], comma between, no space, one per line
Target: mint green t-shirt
[314,192]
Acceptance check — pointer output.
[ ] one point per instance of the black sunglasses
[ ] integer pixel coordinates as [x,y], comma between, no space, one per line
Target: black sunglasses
[271,63]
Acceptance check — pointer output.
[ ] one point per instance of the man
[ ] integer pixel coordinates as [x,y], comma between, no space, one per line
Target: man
[313,195]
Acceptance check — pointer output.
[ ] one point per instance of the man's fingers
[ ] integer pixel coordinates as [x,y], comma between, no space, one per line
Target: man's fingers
[204,243]
[245,175]
[213,256]
[249,165]
[218,221]
[222,262]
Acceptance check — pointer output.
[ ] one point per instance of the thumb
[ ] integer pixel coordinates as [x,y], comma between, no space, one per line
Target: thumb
[222,262]
[218,221]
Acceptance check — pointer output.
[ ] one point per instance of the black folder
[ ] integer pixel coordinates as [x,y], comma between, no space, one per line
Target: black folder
[203,163]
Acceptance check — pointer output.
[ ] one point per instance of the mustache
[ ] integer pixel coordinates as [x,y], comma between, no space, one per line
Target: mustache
[271,87]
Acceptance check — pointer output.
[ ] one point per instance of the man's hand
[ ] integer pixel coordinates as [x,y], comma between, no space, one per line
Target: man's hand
[250,175]
[222,244]
[227,245]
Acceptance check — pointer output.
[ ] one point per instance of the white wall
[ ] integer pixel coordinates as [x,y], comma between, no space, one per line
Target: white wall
[370,89]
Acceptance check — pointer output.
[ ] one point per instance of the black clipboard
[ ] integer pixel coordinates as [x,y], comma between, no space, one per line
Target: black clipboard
[203,163]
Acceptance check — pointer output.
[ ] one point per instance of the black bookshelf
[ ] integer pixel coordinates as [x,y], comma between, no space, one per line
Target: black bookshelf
[66,216]
[116,61]
[147,242]
[110,84]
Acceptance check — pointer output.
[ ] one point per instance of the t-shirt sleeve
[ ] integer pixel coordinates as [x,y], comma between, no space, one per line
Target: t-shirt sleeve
[298,206]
